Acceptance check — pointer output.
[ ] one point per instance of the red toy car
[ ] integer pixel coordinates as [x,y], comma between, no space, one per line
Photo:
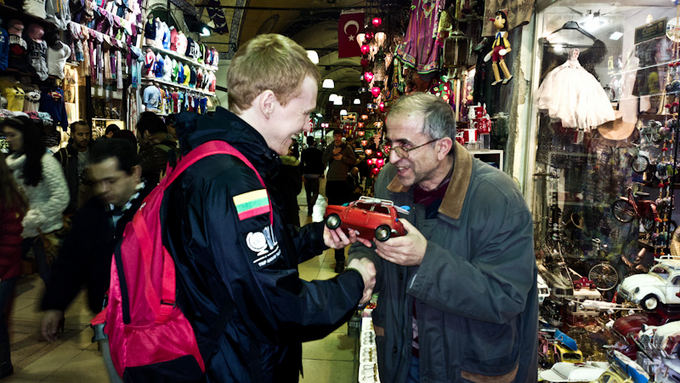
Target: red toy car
[371,217]
[628,327]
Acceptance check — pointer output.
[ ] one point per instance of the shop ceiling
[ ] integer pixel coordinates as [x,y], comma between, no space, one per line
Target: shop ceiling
[312,23]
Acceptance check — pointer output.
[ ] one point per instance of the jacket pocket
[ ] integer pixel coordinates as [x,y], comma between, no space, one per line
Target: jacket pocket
[491,349]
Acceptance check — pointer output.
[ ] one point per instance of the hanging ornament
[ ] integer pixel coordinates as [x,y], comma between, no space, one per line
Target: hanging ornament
[381,106]
[361,37]
[380,38]
[369,36]
[375,91]
[364,62]
[376,21]
[365,49]
[368,76]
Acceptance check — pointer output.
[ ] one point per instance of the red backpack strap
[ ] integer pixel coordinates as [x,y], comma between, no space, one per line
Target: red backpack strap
[204,150]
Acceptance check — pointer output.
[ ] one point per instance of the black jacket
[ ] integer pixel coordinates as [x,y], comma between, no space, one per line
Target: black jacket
[154,157]
[85,256]
[245,266]
[312,162]
[68,158]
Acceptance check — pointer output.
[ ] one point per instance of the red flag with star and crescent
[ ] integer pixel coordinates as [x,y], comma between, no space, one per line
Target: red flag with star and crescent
[349,26]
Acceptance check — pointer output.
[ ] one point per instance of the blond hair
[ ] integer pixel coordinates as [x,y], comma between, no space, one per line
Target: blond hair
[268,62]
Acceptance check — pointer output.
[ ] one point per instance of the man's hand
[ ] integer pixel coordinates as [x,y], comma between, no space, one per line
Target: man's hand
[407,250]
[367,270]
[337,239]
[52,322]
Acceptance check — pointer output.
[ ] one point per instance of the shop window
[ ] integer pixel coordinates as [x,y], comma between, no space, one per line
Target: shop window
[604,103]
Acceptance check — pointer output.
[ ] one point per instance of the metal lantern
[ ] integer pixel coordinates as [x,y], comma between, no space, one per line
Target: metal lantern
[456,50]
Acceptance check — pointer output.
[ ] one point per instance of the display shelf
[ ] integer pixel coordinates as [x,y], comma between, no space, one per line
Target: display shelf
[169,83]
[489,156]
[181,57]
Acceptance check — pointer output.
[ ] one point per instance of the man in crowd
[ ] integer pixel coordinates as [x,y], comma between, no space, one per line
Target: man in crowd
[85,257]
[111,130]
[156,146]
[458,298]
[312,170]
[225,230]
[73,160]
[339,157]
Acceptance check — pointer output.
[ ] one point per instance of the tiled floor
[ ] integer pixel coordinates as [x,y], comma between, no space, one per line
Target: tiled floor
[73,358]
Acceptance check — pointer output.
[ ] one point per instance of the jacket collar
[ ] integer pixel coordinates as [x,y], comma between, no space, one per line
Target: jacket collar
[226,126]
[452,205]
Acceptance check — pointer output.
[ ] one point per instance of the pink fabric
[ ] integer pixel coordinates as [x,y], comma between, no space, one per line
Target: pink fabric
[419,49]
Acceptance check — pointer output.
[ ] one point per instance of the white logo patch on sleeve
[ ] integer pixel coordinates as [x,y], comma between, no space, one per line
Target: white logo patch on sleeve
[264,245]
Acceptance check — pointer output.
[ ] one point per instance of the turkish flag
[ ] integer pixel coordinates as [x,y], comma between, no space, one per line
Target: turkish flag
[349,26]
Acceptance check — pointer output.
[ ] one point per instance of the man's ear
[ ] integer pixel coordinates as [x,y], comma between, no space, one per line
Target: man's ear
[445,147]
[266,103]
[137,172]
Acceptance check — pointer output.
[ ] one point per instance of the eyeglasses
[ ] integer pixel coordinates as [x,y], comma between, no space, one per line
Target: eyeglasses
[402,152]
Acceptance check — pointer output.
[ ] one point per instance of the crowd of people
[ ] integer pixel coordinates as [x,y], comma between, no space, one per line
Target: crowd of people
[457,292]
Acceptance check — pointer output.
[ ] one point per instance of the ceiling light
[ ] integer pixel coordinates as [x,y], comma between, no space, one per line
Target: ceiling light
[343,112]
[313,56]
[338,100]
[332,97]
[328,84]
[615,36]
[357,101]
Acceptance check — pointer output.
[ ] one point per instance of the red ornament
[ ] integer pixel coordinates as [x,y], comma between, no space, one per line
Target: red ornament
[375,91]
[381,106]
[364,63]
[368,76]
[369,36]
[376,21]
[365,49]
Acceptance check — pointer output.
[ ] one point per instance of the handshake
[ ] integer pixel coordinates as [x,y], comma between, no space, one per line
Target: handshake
[367,270]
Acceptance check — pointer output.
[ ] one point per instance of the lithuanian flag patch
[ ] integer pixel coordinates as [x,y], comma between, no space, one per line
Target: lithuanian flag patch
[251,204]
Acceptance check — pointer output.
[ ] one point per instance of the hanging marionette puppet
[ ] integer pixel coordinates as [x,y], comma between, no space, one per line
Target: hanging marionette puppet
[499,48]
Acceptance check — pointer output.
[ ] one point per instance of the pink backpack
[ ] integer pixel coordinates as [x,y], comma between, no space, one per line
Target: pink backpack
[150,338]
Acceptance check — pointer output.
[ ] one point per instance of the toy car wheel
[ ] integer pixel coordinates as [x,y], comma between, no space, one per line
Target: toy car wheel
[650,302]
[333,221]
[382,233]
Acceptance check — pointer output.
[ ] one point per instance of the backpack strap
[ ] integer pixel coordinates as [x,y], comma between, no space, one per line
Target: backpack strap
[204,150]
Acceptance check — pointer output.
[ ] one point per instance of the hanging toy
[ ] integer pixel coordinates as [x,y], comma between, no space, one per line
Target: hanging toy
[499,48]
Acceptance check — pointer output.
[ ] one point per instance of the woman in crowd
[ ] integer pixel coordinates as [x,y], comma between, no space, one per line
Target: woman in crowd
[40,177]
[13,206]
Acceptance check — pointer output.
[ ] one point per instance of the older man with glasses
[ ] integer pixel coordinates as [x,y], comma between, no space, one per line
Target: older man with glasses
[458,299]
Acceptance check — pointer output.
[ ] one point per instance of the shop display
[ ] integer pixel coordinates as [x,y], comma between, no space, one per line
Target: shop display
[606,160]
[572,95]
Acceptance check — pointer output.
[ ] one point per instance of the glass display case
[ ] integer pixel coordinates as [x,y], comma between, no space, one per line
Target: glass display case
[605,85]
